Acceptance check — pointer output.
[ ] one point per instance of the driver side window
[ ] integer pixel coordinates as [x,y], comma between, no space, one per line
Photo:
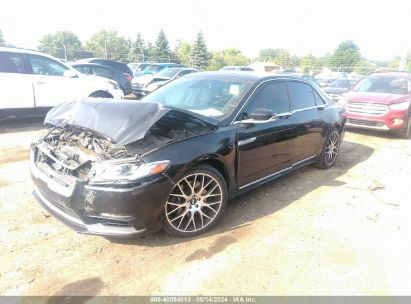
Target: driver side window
[272,95]
[46,66]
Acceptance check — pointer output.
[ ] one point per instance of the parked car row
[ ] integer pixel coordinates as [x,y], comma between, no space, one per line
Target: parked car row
[32,83]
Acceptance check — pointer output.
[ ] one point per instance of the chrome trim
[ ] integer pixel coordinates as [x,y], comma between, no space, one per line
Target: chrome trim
[97,228]
[56,209]
[381,128]
[246,141]
[280,79]
[277,172]
[51,184]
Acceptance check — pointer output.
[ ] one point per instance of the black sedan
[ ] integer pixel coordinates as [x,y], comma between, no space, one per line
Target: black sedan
[123,79]
[173,160]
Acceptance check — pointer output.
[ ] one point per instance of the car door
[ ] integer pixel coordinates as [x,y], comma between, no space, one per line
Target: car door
[16,87]
[310,118]
[265,147]
[50,85]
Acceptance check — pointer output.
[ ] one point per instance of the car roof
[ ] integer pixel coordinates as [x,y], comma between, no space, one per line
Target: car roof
[91,64]
[245,76]
[392,74]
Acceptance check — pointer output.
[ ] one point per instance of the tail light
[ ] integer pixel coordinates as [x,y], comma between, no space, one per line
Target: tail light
[129,78]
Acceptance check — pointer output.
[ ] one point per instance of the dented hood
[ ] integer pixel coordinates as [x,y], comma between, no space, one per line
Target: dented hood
[122,121]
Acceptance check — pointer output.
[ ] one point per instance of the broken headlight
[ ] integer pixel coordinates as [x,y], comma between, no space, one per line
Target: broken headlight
[106,172]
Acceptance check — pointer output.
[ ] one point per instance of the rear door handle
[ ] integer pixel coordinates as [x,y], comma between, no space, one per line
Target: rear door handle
[284,115]
[40,82]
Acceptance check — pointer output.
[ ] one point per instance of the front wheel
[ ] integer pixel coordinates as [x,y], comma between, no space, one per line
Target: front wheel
[101,94]
[330,150]
[196,202]
[407,132]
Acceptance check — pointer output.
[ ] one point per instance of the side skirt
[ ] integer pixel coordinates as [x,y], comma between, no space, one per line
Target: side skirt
[250,186]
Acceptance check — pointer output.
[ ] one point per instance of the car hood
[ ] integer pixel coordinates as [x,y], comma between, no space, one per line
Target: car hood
[329,90]
[124,122]
[384,98]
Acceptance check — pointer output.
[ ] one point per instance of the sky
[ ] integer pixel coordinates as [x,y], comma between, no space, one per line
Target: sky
[381,28]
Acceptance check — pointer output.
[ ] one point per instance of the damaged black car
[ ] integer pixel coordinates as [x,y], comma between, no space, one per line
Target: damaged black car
[172,160]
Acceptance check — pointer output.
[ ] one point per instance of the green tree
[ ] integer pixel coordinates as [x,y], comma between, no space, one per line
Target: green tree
[308,63]
[363,67]
[199,56]
[161,50]
[230,56]
[2,42]
[138,51]
[280,57]
[267,55]
[182,52]
[108,44]
[346,56]
[63,44]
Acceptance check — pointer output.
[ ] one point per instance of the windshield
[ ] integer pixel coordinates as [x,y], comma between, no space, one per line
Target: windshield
[215,98]
[168,73]
[391,85]
[340,83]
[153,68]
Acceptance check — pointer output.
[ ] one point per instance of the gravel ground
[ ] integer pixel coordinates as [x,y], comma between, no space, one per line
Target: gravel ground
[314,232]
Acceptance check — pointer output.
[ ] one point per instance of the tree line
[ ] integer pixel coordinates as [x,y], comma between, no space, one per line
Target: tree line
[111,45]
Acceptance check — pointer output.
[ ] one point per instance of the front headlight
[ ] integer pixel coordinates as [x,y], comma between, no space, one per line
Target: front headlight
[108,172]
[401,106]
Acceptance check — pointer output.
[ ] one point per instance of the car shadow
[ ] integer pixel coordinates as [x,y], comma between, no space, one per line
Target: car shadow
[14,125]
[375,133]
[262,201]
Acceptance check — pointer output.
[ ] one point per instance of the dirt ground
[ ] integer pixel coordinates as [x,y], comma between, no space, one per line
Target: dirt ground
[346,230]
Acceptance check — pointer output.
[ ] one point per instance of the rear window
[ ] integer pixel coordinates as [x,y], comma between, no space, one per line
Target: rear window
[11,63]
[301,95]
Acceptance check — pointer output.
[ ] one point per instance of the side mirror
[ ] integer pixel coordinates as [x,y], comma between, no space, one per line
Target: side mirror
[70,74]
[262,114]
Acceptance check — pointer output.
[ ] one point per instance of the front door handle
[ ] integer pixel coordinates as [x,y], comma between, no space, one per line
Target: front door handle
[40,82]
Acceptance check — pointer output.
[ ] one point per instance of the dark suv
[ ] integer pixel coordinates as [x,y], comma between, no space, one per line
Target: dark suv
[119,66]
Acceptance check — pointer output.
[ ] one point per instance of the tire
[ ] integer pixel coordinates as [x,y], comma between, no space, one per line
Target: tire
[331,149]
[406,134]
[196,203]
[101,94]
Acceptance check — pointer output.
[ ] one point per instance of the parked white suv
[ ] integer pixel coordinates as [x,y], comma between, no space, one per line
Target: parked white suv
[32,82]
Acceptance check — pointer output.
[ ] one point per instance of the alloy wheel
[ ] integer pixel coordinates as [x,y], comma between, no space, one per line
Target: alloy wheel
[194,202]
[332,148]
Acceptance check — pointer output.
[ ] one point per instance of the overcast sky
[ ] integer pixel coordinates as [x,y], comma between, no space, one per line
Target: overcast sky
[381,28]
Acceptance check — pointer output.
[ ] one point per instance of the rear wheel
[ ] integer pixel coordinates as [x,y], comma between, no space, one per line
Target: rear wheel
[101,94]
[330,150]
[196,202]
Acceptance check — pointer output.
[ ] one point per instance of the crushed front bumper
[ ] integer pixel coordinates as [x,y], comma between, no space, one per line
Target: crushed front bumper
[110,211]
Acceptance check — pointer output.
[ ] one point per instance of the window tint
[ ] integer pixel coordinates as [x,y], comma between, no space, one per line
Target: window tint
[83,69]
[101,71]
[318,99]
[301,95]
[46,66]
[11,63]
[272,96]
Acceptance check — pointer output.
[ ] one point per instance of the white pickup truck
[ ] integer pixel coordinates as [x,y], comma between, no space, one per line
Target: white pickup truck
[33,82]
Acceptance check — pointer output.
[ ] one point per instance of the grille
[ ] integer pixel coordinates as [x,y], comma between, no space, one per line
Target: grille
[363,122]
[366,108]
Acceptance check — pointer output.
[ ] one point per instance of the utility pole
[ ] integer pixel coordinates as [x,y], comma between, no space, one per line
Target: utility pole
[403,62]
[105,48]
[65,52]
